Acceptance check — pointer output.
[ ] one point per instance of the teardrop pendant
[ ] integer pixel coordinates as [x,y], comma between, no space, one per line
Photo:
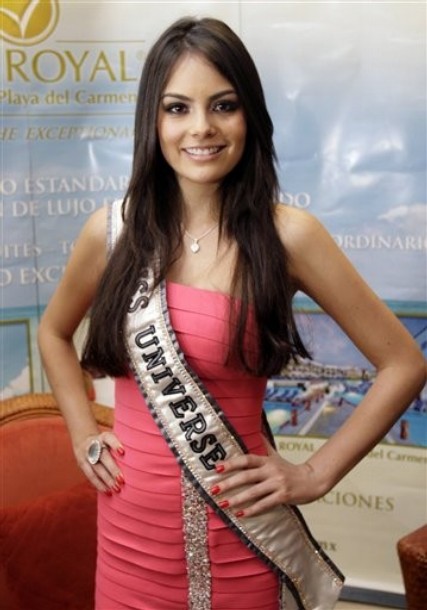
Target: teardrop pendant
[194,247]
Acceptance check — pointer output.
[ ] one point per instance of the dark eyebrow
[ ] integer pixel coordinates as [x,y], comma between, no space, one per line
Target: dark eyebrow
[212,98]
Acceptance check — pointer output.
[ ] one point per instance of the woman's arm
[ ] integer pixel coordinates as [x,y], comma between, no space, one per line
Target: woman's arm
[322,271]
[60,320]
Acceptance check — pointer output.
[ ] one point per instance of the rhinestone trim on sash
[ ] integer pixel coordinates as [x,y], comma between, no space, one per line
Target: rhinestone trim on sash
[196,547]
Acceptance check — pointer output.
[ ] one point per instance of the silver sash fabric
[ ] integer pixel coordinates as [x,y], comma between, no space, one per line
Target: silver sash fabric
[199,435]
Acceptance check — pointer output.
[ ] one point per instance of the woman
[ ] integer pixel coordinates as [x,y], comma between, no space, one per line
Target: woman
[188,479]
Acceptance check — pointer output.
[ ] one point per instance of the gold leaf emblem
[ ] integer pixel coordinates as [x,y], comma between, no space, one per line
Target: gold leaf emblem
[28,22]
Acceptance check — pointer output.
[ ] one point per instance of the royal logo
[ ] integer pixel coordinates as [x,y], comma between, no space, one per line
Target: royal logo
[28,22]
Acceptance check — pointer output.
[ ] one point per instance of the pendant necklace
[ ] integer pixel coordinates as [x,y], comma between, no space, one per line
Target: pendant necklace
[194,247]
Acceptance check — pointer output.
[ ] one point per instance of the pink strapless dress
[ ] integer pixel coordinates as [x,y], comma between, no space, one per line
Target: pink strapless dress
[141,553]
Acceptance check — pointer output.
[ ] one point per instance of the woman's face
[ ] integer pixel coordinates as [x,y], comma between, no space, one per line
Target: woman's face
[201,124]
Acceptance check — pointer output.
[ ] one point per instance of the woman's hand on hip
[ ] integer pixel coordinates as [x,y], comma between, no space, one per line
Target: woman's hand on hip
[97,457]
[255,484]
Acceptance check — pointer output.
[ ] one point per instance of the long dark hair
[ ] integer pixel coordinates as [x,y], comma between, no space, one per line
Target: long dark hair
[153,211]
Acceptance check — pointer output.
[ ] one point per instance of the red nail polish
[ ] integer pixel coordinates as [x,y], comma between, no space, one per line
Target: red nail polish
[120,450]
[240,513]
[117,488]
[219,468]
[224,504]
[120,480]
[215,490]
[108,492]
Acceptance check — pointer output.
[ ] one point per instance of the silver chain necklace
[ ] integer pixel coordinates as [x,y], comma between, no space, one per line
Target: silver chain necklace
[194,247]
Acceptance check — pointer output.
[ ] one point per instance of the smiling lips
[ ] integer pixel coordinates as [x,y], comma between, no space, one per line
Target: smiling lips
[197,151]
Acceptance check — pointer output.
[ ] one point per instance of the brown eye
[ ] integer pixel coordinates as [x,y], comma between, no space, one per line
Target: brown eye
[226,106]
[175,108]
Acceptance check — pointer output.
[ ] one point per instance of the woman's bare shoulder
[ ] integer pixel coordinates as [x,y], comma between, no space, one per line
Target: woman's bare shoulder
[90,254]
[296,228]
[95,227]
[93,237]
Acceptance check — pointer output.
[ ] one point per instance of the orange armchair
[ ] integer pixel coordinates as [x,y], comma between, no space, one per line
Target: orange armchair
[47,510]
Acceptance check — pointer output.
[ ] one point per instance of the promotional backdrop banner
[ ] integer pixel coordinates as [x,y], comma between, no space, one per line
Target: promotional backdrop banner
[345,85]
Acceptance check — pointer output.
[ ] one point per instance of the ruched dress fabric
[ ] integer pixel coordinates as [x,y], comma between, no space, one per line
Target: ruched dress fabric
[141,552]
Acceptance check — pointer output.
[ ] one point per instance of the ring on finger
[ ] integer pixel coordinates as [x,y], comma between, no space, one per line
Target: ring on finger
[94,451]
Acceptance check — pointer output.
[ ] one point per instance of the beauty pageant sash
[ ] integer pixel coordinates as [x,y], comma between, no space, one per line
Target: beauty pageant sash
[199,435]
